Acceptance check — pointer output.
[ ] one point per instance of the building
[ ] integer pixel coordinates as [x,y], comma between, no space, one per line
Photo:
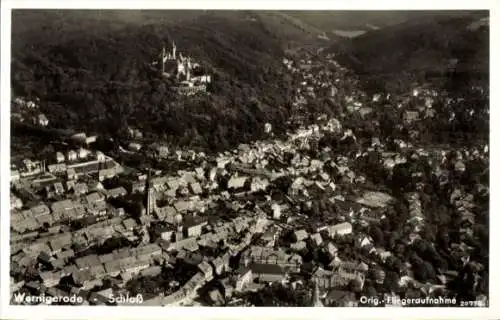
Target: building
[268,272]
[134,146]
[340,229]
[59,157]
[41,120]
[83,153]
[236,182]
[316,302]
[100,156]
[72,155]
[341,298]
[195,229]
[186,74]
[207,270]
[15,202]
[150,203]
[14,175]
[300,235]
[116,192]
[244,277]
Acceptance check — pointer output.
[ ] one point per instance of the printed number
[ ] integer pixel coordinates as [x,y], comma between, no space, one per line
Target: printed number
[476,303]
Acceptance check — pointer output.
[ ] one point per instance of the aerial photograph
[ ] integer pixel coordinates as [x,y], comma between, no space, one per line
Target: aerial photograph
[239,158]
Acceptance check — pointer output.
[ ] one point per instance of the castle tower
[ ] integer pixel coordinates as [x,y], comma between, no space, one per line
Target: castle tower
[316,302]
[188,69]
[164,57]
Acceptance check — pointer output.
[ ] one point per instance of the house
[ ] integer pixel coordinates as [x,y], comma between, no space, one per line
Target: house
[317,239]
[227,288]
[42,120]
[148,251]
[129,224]
[90,139]
[182,206]
[219,265]
[236,182]
[97,271]
[151,271]
[72,155]
[66,255]
[41,210]
[189,244]
[410,116]
[59,188]
[298,246]
[14,175]
[60,241]
[195,229]
[59,157]
[375,199]
[134,146]
[83,153]
[15,202]
[268,272]
[165,213]
[136,266]
[165,233]
[94,198]
[161,151]
[259,184]
[100,156]
[350,266]
[196,188]
[87,261]
[16,286]
[116,192]
[363,241]
[341,298]
[340,229]
[216,297]
[105,258]
[276,208]
[79,137]
[80,189]
[71,173]
[51,279]
[113,267]
[300,235]
[206,269]
[244,277]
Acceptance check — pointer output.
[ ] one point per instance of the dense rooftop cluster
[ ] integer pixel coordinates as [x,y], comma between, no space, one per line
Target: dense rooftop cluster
[353,199]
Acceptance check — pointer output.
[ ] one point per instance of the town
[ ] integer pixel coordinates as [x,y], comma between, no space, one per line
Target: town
[290,213]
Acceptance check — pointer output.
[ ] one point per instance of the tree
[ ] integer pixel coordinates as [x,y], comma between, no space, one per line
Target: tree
[377,236]
[370,291]
[394,263]
[425,272]
[391,282]
[401,177]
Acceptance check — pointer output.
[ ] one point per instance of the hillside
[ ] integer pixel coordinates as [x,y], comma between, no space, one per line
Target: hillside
[100,79]
[328,21]
[432,48]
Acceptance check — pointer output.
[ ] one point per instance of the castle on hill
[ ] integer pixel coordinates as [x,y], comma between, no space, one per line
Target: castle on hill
[186,75]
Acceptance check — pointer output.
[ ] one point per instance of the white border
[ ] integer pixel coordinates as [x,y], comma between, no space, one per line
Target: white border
[7,311]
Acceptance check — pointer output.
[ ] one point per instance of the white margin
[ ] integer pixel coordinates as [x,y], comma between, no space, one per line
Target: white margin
[60,312]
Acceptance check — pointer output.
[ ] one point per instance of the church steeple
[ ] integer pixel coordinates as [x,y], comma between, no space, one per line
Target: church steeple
[150,195]
[174,49]
[316,302]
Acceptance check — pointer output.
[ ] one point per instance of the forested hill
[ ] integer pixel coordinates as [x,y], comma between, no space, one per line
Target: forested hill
[442,49]
[103,81]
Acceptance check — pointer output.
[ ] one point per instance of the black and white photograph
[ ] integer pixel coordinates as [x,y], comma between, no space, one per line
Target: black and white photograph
[247,158]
